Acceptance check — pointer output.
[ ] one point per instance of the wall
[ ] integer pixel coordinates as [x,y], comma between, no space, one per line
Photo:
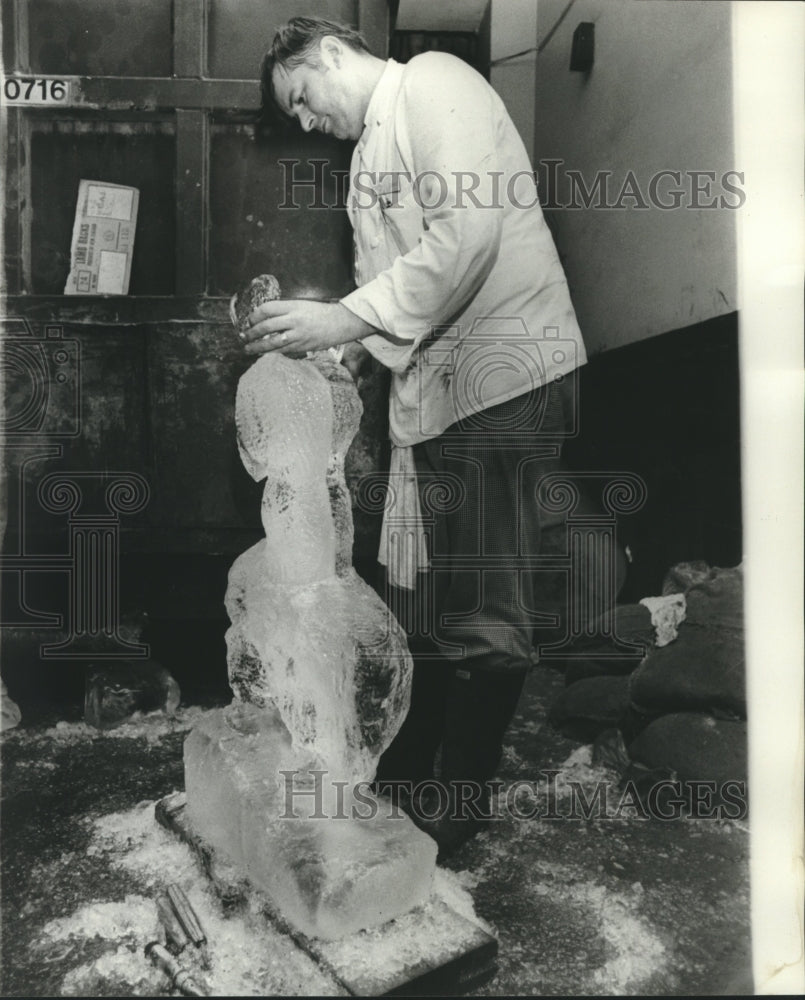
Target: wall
[514,29]
[446,15]
[658,97]
[667,409]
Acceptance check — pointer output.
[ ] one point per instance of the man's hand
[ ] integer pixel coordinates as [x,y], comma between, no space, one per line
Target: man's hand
[295,326]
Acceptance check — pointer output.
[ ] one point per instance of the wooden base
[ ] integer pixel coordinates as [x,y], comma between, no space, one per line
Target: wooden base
[431,951]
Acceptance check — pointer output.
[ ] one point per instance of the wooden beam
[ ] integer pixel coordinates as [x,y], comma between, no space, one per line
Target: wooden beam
[25,207]
[116,93]
[189,38]
[192,157]
[22,47]
[11,277]
[116,310]
[373,24]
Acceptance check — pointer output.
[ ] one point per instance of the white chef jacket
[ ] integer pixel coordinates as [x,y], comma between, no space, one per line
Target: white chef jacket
[465,282]
[454,262]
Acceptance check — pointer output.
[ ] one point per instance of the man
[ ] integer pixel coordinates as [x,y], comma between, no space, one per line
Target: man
[461,293]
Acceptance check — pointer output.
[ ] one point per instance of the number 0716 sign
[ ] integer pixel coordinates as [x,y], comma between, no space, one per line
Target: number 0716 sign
[33,91]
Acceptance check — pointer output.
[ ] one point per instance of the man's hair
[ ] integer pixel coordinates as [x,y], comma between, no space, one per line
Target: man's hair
[293,44]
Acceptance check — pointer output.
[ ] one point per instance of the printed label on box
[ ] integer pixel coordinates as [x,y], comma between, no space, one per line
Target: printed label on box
[103,239]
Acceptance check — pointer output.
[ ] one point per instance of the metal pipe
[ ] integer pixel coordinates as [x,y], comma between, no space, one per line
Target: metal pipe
[181,978]
[173,929]
[188,917]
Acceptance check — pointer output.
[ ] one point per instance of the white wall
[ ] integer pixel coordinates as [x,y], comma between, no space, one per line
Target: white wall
[658,97]
[443,15]
[514,29]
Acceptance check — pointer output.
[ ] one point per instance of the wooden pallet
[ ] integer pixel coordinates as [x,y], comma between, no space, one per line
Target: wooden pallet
[439,952]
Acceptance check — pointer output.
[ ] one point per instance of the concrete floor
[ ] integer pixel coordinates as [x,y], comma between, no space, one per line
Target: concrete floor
[609,905]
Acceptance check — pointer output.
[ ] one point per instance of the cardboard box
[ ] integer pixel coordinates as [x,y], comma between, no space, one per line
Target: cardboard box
[103,239]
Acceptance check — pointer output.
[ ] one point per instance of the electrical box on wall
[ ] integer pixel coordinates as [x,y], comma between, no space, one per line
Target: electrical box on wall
[582,51]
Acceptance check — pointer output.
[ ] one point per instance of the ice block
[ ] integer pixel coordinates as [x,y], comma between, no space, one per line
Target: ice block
[330,863]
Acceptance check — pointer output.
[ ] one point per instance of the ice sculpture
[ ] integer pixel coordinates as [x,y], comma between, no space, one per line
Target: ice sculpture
[278,781]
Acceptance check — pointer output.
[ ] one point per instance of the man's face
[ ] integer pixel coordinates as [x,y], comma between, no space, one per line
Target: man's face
[322,94]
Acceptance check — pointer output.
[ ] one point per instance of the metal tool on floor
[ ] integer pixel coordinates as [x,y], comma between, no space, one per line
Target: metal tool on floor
[184,936]
[180,977]
[174,932]
[189,921]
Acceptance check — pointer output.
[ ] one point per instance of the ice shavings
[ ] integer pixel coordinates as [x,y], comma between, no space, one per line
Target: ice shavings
[150,726]
[248,957]
[124,965]
[133,918]
[120,930]
[635,953]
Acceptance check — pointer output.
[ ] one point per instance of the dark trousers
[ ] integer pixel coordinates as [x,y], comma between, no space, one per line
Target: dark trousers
[467,715]
[470,621]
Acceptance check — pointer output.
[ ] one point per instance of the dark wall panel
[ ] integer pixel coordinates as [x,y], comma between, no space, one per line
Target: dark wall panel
[89,385]
[240,31]
[668,409]
[198,478]
[308,249]
[141,155]
[101,37]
